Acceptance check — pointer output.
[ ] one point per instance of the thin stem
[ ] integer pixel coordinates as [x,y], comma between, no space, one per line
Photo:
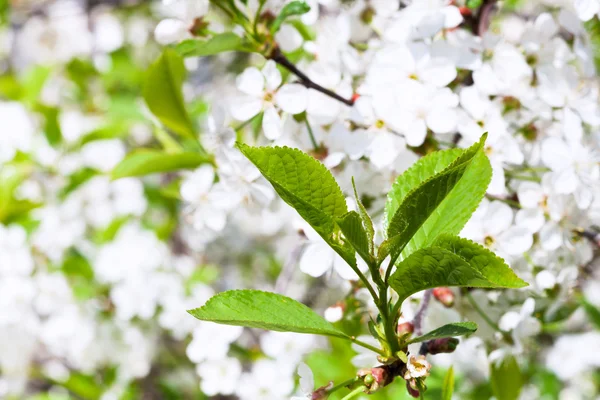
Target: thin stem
[310,134]
[523,177]
[343,384]
[220,6]
[421,396]
[355,392]
[483,315]
[512,203]
[257,16]
[366,345]
[364,280]
[418,320]
[388,270]
[280,59]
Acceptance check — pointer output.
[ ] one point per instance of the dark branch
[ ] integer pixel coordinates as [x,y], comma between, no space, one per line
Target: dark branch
[280,59]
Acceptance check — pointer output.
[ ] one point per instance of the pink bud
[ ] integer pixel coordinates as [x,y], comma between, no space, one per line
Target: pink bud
[405,327]
[411,390]
[444,295]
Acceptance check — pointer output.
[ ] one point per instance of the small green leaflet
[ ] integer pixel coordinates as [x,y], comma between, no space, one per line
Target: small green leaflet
[447,331]
[144,162]
[220,43]
[289,10]
[506,378]
[593,29]
[592,312]
[307,186]
[163,93]
[448,385]
[264,310]
[452,262]
[437,195]
[351,225]
[366,219]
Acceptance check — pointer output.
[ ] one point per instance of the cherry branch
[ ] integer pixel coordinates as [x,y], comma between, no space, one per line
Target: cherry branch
[277,56]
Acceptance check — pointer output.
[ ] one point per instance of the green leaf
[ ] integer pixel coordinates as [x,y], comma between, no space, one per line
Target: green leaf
[447,331]
[289,10]
[448,385]
[506,379]
[366,219]
[220,43]
[458,262]
[593,29]
[443,203]
[592,312]
[472,4]
[163,93]
[352,227]
[491,266]
[144,162]
[307,186]
[264,310]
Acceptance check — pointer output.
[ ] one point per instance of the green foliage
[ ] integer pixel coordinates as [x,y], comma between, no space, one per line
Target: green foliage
[163,93]
[592,312]
[264,310]
[352,227]
[593,29]
[366,220]
[448,385]
[447,331]
[472,4]
[220,43]
[291,9]
[306,185]
[443,203]
[506,379]
[462,264]
[144,162]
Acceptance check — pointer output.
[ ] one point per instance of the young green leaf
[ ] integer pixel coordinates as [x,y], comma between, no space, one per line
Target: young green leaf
[592,312]
[352,227]
[447,331]
[470,265]
[366,219]
[264,310]
[437,195]
[489,264]
[289,10]
[144,162]
[220,43]
[506,379]
[448,385]
[306,185]
[163,93]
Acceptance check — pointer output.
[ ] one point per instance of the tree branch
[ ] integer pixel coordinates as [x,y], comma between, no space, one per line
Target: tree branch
[277,56]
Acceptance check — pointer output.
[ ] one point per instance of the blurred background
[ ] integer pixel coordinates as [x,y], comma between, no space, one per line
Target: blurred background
[96,274]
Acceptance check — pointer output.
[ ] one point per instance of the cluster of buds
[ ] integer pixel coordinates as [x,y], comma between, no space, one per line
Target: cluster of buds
[444,295]
[376,377]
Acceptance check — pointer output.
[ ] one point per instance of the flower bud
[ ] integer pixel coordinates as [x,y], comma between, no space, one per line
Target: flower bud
[411,389]
[444,295]
[405,328]
[321,393]
[381,376]
[437,346]
[465,11]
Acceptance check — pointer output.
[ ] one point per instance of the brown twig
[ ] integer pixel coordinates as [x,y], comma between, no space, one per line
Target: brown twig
[480,22]
[277,56]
